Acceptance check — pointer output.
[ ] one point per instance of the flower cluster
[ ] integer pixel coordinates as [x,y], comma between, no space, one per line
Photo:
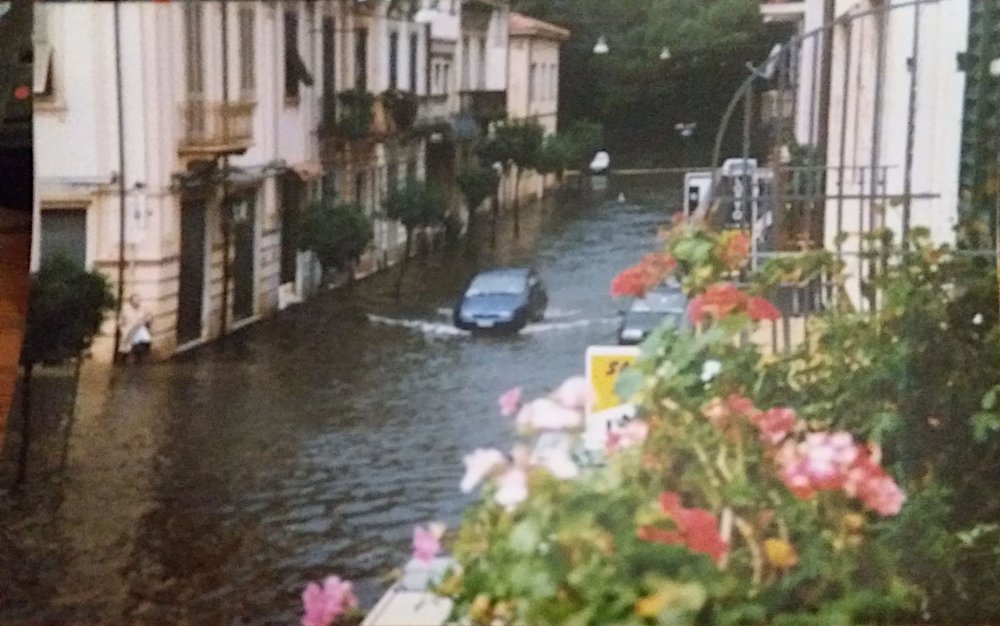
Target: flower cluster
[628,436]
[651,271]
[696,529]
[324,604]
[832,462]
[733,248]
[562,410]
[723,299]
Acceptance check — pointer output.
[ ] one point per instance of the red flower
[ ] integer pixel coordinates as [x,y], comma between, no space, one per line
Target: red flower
[697,529]
[775,424]
[733,248]
[635,281]
[760,309]
[740,405]
[718,301]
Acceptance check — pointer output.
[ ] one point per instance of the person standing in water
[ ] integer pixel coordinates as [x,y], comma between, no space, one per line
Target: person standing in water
[134,328]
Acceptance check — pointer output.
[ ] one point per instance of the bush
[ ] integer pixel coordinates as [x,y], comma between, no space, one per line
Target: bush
[337,233]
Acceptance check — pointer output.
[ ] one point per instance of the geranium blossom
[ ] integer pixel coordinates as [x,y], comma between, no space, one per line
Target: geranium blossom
[512,488]
[724,414]
[322,605]
[733,248]
[509,401]
[826,461]
[547,414]
[723,299]
[478,465]
[426,544]
[697,529]
[575,393]
[775,424]
[629,435]
[560,465]
[651,271]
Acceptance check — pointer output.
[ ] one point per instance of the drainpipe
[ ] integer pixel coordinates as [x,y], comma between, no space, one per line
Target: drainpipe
[119,93]
[225,208]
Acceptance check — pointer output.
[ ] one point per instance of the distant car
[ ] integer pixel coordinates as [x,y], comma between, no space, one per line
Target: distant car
[502,299]
[664,305]
[601,162]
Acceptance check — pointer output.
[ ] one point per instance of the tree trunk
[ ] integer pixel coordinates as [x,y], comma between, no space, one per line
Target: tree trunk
[22,460]
[517,203]
[405,263]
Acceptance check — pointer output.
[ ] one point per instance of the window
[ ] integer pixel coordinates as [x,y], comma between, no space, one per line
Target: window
[361,59]
[64,232]
[414,44]
[40,55]
[555,82]
[447,78]
[247,78]
[359,186]
[436,87]
[466,63]
[392,178]
[329,57]
[481,73]
[193,47]
[393,60]
[531,82]
[291,55]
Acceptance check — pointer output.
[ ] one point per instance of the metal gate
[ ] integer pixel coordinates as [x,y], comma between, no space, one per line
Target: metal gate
[191,287]
[858,122]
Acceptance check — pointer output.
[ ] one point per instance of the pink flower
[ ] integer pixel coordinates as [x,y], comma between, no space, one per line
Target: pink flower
[509,401]
[576,393]
[512,488]
[426,544]
[546,414]
[560,465]
[478,465]
[322,605]
[632,434]
[775,424]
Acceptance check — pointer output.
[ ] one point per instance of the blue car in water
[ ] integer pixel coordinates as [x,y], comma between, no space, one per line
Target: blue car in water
[502,299]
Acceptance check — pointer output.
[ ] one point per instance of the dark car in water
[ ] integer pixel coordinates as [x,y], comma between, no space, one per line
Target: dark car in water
[666,304]
[501,299]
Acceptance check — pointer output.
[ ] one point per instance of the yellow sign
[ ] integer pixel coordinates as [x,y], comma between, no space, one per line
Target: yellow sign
[604,364]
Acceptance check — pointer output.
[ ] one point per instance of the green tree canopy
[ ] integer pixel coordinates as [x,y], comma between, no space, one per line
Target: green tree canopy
[66,307]
[337,233]
[554,156]
[477,183]
[416,205]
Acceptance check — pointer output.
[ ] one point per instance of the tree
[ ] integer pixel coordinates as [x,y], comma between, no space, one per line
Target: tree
[337,233]
[514,143]
[66,307]
[415,205]
[477,183]
[583,139]
[554,156]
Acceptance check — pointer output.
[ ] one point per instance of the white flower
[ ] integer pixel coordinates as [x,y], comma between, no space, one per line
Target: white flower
[710,370]
[576,393]
[512,488]
[560,465]
[977,319]
[546,414]
[478,465]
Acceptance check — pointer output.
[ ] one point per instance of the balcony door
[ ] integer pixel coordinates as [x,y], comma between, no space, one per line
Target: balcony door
[191,290]
[291,203]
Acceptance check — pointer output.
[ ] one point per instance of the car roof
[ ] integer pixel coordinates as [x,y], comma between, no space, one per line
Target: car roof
[505,271]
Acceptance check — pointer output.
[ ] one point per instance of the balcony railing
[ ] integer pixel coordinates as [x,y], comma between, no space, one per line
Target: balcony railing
[216,127]
[355,116]
[485,105]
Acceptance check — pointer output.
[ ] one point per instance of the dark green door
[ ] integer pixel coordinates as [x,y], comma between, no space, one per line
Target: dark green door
[191,288]
[244,221]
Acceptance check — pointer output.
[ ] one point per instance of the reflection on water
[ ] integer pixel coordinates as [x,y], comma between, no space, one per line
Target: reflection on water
[206,490]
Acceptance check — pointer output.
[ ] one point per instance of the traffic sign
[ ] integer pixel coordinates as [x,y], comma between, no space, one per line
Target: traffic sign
[604,365]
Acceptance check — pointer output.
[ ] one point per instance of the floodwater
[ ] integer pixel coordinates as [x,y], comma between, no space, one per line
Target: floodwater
[209,489]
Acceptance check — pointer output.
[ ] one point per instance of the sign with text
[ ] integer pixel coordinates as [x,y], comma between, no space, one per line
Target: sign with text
[604,365]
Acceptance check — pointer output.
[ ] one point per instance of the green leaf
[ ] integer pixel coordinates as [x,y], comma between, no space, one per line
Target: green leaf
[525,536]
[984,423]
[629,383]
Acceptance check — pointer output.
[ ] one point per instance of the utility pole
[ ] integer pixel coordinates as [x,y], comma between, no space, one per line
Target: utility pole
[119,92]
[226,218]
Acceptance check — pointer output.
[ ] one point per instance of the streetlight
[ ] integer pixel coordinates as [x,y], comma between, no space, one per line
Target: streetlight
[601,47]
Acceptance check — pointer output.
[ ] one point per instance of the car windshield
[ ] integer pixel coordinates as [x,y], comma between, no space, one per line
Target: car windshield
[660,302]
[496,284]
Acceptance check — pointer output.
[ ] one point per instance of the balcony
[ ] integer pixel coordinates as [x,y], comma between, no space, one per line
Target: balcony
[355,116]
[216,128]
[783,10]
[486,106]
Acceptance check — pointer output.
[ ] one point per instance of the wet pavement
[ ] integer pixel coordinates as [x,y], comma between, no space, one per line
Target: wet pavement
[209,489]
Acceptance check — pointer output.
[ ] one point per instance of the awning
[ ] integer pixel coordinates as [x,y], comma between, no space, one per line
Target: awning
[308,170]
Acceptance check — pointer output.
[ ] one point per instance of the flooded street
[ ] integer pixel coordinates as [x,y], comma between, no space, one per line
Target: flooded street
[209,489]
